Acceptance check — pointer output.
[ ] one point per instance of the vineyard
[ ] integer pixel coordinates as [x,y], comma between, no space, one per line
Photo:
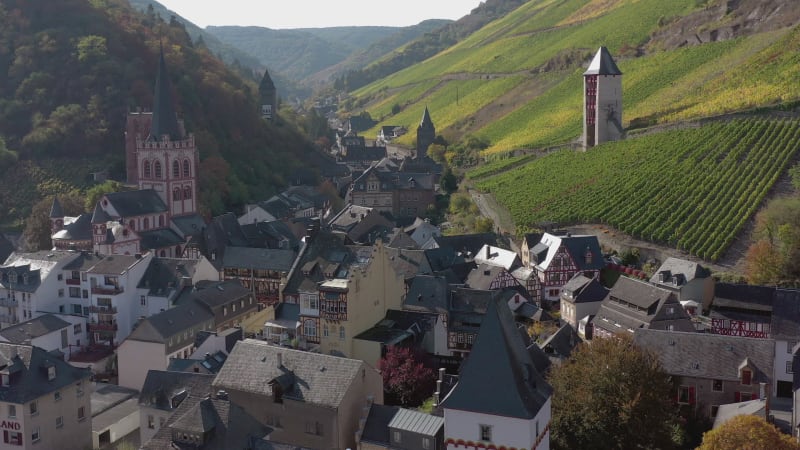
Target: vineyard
[691,189]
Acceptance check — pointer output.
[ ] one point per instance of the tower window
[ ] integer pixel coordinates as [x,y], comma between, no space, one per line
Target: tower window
[176,194]
[176,169]
[147,169]
[157,168]
[187,192]
[186,171]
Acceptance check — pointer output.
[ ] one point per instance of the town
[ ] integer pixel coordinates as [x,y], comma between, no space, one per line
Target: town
[298,326]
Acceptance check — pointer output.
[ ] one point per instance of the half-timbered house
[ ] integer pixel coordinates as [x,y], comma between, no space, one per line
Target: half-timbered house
[558,258]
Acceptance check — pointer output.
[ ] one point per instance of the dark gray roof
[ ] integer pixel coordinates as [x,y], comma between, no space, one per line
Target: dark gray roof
[562,342]
[603,64]
[161,387]
[482,276]
[189,225]
[579,245]
[287,311]
[159,238]
[676,272]
[216,293]
[706,355]
[467,244]
[79,229]
[426,122]
[786,315]
[6,247]
[315,378]
[112,264]
[270,235]
[159,327]
[499,357]
[743,296]
[56,211]
[27,279]
[166,275]
[99,215]
[428,293]
[165,122]
[397,326]
[28,366]
[25,331]
[582,289]
[259,258]
[136,203]
[376,427]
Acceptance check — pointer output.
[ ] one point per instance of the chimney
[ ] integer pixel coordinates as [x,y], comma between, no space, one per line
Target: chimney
[488,251]
[280,360]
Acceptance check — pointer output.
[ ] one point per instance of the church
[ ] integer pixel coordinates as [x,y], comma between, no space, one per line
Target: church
[161,215]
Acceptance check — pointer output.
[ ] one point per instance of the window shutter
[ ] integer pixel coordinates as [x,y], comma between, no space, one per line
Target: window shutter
[691,395]
[737,397]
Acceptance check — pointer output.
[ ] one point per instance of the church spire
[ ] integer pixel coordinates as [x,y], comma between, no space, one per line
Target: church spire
[164,118]
[426,121]
[56,212]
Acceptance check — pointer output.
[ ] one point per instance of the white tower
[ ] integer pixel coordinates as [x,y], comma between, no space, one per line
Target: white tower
[602,100]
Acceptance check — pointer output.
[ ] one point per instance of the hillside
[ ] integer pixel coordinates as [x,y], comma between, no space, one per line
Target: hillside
[69,72]
[516,83]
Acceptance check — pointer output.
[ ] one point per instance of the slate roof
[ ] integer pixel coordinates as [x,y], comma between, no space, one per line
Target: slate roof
[27,366]
[709,356]
[136,203]
[633,304]
[728,411]
[482,276]
[189,225]
[25,331]
[99,215]
[161,386]
[426,121]
[416,422]
[786,315]
[165,122]
[562,342]
[217,293]
[316,378]
[159,238]
[376,427]
[499,357]
[166,275]
[259,258]
[159,327]
[113,264]
[56,211]
[428,293]
[397,325]
[327,250]
[270,234]
[576,245]
[28,278]
[79,229]
[582,289]
[467,244]
[603,64]
[677,272]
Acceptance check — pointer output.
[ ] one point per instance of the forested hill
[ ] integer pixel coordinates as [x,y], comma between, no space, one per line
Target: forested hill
[71,69]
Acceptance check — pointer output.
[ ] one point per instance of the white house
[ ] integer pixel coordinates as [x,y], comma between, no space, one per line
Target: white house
[49,331]
[516,416]
[165,278]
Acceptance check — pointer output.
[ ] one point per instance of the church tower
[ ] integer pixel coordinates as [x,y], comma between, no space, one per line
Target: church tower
[166,159]
[56,216]
[268,97]
[426,134]
[602,100]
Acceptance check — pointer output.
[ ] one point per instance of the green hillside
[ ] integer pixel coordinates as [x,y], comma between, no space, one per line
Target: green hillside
[526,68]
[692,189]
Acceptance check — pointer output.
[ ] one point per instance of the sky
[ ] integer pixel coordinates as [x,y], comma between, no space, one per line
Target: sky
[317,13]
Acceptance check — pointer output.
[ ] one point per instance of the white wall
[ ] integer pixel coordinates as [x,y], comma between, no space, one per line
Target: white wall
[136,358]
[506,431]
[783,355]
[609,94]
[121,428]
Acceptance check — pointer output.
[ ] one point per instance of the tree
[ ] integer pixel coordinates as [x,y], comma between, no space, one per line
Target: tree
[774,256]
[407,380]
[449,181]
[612,395]
[37,232]
[97,191]
[747,433]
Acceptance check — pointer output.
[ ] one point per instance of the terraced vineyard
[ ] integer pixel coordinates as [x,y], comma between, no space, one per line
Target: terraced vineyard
[692,188]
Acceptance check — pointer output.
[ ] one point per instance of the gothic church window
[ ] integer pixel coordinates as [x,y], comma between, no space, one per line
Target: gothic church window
[147,169]
[157,169]
[186,172]
[187,193]
[176,194]
[176,169]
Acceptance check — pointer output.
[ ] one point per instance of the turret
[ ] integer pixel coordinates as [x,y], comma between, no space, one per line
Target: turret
[56,216]
[426,134]
[602,100]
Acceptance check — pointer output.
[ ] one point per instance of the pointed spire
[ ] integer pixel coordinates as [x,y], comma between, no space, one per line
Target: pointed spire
[603,64]
[266,82]
[426,121]
[164,119]
[99,216]
[56,212]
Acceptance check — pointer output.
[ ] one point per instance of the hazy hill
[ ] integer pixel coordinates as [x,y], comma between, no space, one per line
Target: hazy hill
[69,72]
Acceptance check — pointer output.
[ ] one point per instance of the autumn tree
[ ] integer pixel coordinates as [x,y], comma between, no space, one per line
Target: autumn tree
[747,433]
[774,256]
[95,192]
[407,379]
[612,395]
[36,235]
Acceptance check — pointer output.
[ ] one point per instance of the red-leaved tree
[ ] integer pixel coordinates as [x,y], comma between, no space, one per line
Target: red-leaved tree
[407,380]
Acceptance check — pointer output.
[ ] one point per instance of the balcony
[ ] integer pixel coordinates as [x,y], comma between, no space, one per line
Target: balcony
[102,309]
[106,290]
[101,326]
[73,281]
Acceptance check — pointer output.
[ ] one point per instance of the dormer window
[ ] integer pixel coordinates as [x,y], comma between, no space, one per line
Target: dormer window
[747,377]
[12,277]
[588,256]
[51,372]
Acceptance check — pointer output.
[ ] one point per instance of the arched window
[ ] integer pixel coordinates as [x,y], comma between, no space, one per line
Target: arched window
[146,223]
[147,169]
[157,168]
[176,194]
[176,169]
[187,192]
[163,253]
[186,172]
[161,221]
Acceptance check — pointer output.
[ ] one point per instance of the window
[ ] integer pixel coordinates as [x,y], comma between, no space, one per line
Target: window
[747,376]
[426,443]
[64,339]
[36,434]
[396,437]
[486,432]
[81,413]
[686,395]
[341,332]
[310,328]
[57,395]
[12,437]
[187,192]
[716,385]
[325,330]
[157,168]
[147,169]
[788,367]
[75,292]
[151,421]
[76,309]
[12,411]
[146,223]
[143,300]
[176,194]
[61,292]
[34,408]
[176,170]
[186,172]
[59,421]
[714,409]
